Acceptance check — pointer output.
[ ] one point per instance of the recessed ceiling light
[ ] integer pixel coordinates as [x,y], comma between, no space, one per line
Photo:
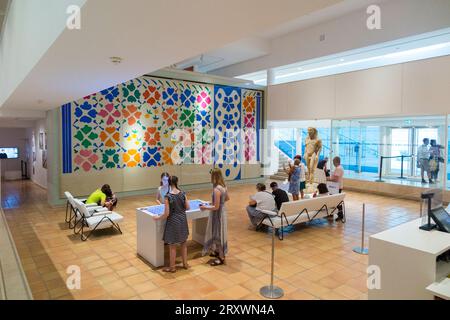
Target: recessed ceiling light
[299,68]
[342,60]
[116,60]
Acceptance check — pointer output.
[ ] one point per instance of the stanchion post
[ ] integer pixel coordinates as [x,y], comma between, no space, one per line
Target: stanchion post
[362,250]
[271,291]
[421,207]
[381,170]
[401,169]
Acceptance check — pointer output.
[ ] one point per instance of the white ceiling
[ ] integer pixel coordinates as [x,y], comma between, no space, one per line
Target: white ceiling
[315,18]
[235,52]
[418,47]
[260,44]
[148,35]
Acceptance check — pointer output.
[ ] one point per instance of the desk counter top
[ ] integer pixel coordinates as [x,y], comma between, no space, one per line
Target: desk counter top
[409,235]
[440,289]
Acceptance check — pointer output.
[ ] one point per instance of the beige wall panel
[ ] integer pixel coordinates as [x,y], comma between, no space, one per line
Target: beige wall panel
[277,102]
[250,171]
[82,183]
[195,173]
[234,171]
[312,99]
[372,92]
[426,86]
[145,178]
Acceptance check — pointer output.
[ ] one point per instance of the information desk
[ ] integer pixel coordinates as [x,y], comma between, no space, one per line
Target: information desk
[440,289]
[406,257]
[150,244]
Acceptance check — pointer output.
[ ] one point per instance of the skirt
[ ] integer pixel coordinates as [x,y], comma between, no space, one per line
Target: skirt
[216,233]
[294,187]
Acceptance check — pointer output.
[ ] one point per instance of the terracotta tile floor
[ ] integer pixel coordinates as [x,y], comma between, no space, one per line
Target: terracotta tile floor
[314,262]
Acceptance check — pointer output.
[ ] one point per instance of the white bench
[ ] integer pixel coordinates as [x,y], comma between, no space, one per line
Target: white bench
[94,219]
[71,207]
[305,210]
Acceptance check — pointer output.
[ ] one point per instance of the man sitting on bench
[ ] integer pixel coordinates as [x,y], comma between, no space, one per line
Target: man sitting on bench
[262,200]
[279,194]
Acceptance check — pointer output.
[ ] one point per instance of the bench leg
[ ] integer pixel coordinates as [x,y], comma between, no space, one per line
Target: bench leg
[280,231]
[344,216]
[113,225]
[67,211]
[260,224]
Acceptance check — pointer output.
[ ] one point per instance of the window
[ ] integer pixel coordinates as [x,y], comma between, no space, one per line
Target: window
[363,144]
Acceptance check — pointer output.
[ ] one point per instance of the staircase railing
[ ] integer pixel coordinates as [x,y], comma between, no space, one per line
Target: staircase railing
[287,148]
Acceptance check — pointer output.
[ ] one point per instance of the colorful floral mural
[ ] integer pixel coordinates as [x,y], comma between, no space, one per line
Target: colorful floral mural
[133,124]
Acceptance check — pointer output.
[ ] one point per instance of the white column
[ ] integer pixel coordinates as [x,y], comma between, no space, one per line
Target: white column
[298,141]
[53,151]
[270,77]
[444,165]
[1,183]
[271,154]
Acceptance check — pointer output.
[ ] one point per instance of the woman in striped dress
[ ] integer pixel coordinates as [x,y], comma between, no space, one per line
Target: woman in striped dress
[176,230]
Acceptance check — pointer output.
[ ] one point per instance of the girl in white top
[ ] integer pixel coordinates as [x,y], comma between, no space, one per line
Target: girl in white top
[320,175]
[164,188]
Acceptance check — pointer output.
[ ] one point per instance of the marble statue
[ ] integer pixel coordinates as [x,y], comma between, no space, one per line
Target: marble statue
[313,145]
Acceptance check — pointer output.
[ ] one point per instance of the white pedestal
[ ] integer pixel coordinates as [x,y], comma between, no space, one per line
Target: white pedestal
[406,257]
[150,245]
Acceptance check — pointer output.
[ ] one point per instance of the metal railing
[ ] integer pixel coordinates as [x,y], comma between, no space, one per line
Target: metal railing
[392,157]
[292,149]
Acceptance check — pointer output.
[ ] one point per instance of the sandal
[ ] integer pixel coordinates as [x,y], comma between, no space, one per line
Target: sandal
[169,269]
[217,262]
[214,255]
[186,266]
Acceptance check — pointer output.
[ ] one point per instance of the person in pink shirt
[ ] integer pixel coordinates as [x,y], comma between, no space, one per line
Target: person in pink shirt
[338,177]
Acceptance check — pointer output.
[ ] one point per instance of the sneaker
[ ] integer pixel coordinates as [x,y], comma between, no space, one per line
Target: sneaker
[338,219]
[424,181]
[431,181]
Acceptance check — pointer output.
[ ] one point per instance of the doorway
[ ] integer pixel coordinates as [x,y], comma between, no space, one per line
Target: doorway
[404,142]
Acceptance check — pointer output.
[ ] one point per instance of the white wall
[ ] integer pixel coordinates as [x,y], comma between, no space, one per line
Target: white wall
[39,176]
[399,18]
[426,86]
[371,92]
[413,88]
[13,137]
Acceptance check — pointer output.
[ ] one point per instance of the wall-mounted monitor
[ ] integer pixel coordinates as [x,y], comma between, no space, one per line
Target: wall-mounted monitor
[9,153]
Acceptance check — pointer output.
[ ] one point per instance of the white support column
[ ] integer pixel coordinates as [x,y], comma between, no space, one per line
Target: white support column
[444,165]
[53,160]
[270,77]
[1,183]
[298,141]
[271,155]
